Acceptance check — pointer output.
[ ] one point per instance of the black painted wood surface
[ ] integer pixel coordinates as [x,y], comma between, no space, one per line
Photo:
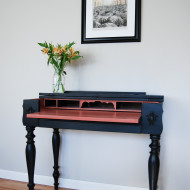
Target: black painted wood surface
[150,123]
[30,156]
[56,145]
[93,95]
[154,162]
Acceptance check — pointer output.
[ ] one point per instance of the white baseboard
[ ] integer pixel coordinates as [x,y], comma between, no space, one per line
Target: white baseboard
[67,183]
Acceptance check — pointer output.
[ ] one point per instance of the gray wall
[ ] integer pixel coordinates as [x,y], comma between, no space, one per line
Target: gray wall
[157,65]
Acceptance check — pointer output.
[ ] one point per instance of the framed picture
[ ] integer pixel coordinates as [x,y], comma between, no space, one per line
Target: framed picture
[109,21]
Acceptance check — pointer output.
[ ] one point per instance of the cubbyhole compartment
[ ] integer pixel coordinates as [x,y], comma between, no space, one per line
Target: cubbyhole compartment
[50,103]
[128,106]
[68,103]
[98,105]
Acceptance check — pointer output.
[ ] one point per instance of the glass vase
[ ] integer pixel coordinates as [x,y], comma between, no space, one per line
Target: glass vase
[58,83]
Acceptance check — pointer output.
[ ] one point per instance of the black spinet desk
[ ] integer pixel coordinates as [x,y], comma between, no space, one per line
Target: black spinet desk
[124,112]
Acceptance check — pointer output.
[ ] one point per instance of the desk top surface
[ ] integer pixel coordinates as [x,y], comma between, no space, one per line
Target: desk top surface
[127,96]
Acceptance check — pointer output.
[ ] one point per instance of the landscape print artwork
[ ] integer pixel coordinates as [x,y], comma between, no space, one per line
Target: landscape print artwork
[109,14]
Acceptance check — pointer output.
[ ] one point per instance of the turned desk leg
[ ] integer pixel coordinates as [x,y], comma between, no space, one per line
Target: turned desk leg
[30,156]
[154,161]
[56,145]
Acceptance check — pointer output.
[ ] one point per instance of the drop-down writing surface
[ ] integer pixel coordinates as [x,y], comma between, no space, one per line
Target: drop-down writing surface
[84,115]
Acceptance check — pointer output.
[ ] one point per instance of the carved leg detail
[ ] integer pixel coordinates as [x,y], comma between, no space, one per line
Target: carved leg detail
[154,161]
[56,145]
[30,156]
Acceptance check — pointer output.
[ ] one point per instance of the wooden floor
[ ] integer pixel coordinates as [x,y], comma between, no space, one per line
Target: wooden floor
[16,185]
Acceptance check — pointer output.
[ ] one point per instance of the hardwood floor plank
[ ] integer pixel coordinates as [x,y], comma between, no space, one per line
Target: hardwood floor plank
[17,185]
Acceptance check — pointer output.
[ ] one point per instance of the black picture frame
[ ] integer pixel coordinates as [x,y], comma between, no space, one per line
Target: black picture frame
[135,38]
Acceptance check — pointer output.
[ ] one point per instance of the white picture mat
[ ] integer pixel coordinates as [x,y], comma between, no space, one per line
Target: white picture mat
[116,31]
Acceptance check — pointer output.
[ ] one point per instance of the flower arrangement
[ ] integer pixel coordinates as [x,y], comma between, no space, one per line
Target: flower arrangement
[59,56]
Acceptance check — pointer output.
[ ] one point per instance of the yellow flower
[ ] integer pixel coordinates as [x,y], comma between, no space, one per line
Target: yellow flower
[63,49]
[45,50]
[57,51]
[71,50]
[73,53]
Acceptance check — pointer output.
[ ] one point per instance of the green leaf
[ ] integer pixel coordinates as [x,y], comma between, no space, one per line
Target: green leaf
[76,57]
[51,47]
[55,63]
[64,72]
[59,45]
[48,60]
[41,44]
[62,63]
[70,45]
[45,45]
